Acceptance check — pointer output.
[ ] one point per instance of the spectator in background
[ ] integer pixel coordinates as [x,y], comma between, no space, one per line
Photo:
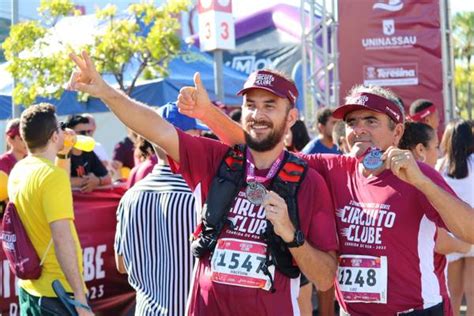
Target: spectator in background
[161,201]
[457,168]
[339,137]
[16,146]
[323,143]
[123,159]
[99,149]
[148,160]
[297,137]
[236,115]
[424,111]
[16,151]
[87,171]
[422,140]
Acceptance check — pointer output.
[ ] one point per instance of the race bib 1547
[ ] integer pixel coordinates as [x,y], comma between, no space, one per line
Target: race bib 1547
[238,262]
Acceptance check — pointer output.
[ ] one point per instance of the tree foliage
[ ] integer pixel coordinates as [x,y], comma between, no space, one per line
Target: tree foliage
[145,37]
[463,41]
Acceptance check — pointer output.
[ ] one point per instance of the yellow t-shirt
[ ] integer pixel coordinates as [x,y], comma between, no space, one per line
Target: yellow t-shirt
[42,194]
[3,186]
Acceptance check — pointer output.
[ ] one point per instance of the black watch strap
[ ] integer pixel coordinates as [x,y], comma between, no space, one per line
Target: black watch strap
[61,156]
[298,240]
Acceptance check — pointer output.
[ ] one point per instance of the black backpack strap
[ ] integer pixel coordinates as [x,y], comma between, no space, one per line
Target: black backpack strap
[224,188]
[286,184]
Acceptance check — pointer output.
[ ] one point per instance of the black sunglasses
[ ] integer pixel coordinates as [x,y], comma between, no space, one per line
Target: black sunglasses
[85,133]
[62,126]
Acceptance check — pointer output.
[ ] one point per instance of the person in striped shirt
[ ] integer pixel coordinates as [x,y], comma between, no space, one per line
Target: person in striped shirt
[155,219]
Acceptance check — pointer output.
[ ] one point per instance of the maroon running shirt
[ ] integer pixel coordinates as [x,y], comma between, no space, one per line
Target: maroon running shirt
[384,223]
[7,162]
[217,288]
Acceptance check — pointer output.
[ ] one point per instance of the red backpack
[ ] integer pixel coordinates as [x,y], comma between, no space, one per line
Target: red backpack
[22,257]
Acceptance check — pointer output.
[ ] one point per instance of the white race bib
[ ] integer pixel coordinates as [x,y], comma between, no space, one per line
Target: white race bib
[363,279]
[238,262]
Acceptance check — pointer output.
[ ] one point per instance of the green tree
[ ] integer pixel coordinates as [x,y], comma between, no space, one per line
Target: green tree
[41,66]
[463,40]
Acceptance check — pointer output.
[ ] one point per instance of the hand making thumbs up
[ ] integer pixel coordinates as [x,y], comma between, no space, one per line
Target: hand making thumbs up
[194,101]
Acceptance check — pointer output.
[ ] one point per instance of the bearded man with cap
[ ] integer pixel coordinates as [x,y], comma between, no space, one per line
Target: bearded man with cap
[388,207]
[236,274]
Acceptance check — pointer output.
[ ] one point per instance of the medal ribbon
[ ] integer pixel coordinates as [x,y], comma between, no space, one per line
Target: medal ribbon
[251,177]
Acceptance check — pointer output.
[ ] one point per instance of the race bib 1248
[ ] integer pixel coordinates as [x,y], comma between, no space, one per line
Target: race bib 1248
[363,279]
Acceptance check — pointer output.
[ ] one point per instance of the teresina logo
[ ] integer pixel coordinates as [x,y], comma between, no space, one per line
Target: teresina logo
[386,42]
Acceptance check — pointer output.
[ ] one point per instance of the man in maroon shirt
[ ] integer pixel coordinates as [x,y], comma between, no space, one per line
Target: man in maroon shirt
[268,111]
[17,151]
[388,207]
[17,148]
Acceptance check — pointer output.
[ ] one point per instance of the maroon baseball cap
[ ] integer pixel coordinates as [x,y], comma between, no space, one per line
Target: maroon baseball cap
[272,82]
[372,102]
[13,130]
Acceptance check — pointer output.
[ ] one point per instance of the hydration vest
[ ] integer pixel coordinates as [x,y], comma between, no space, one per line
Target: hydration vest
[225,186]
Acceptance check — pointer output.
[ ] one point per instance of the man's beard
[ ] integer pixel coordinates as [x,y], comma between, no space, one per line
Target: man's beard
[269,142]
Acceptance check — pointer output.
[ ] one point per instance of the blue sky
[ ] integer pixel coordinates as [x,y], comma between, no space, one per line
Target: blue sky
[243,7]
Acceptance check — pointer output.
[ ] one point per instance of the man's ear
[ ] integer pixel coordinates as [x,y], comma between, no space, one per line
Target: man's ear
[320,128]
[399,130]
[292,117]
[55,137]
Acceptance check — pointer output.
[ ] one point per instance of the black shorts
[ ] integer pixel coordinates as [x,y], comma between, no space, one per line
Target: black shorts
[437,310]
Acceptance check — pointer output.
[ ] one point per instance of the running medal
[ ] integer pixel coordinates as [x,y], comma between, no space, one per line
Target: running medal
[372,159]
[255,192]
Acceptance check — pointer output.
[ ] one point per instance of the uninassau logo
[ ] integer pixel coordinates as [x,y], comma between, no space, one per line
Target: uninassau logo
[392,5]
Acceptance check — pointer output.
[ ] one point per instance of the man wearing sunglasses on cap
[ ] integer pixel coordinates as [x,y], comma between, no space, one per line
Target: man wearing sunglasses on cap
[241,240]
[87,171]
[388,207]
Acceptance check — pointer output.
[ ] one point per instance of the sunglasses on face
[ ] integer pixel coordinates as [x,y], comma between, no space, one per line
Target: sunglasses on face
[85,132]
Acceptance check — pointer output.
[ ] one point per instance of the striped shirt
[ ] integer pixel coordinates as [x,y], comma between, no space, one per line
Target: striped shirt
[154,221]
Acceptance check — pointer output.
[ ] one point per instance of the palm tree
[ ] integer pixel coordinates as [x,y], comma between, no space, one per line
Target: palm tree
[463,34]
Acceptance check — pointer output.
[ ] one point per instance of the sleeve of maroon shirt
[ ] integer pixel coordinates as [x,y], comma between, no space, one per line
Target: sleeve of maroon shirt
[317,214]
[199,160]
[430,211]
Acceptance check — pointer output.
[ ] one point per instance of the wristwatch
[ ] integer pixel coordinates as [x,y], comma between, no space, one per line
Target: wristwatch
[298,240]
[62,156]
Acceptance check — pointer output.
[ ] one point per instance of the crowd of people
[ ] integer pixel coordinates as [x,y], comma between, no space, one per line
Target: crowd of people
[374,211]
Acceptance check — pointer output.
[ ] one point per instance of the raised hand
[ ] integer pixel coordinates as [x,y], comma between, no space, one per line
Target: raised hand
[86,78]
[194,101]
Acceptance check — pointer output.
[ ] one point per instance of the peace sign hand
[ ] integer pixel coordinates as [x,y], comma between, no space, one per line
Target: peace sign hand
[86,78]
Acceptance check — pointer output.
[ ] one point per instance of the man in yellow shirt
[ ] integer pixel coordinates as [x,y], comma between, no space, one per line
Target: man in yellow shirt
[41,192]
